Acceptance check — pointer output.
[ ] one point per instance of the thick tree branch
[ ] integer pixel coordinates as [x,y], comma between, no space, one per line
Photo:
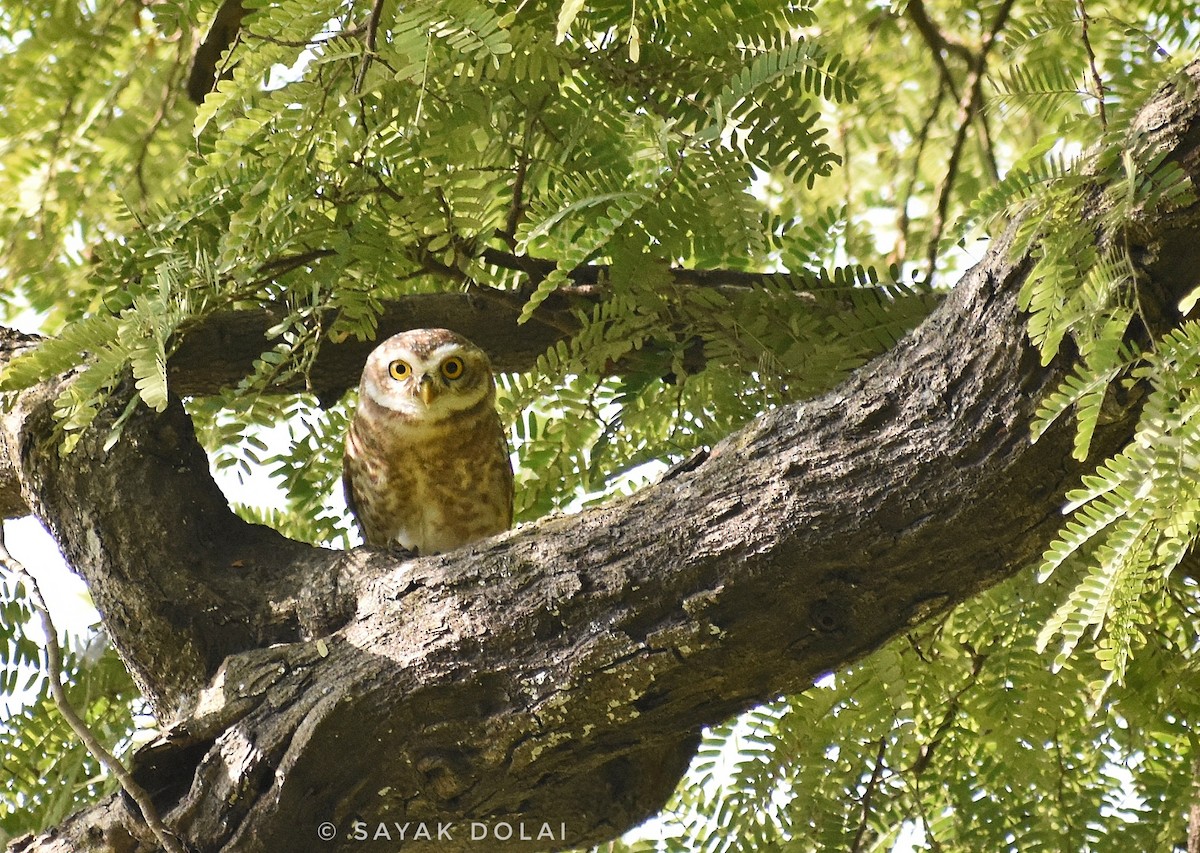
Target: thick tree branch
[558,675]
[220,350]
[221,34]
[164,556]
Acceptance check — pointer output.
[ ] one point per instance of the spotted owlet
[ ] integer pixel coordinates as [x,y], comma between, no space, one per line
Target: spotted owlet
[426,464]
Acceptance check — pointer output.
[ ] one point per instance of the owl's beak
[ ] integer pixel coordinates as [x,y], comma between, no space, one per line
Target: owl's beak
[426,389]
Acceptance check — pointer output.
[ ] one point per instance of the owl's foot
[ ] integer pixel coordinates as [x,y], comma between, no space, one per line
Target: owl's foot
[402,552]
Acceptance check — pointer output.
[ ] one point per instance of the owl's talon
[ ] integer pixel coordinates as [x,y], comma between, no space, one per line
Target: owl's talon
[402,552]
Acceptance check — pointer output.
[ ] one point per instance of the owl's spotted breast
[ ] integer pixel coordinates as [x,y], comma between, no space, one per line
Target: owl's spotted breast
[426,464]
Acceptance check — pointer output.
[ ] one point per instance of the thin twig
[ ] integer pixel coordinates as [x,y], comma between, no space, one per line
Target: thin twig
[847,170]
[938,43]
[165,107]
[54,659]
[967,106]
[276,267]
[372,42]
[516,207]
[1091,54]
[925,754]
[987,146]
[872,784]
[900,252]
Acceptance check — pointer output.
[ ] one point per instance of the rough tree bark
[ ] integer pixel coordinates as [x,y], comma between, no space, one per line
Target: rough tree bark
[558,675]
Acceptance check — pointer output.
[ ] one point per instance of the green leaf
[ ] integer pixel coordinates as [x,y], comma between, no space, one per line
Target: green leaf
[567,14]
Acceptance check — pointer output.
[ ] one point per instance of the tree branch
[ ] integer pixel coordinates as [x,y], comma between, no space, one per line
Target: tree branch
[968,106]
[868,795]
[938,43]
[1091,55]
[559,674]
[222,33]
[221,349]
[371,46]
[54,673]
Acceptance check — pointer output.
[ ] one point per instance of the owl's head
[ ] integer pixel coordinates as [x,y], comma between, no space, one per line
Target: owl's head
[427,374]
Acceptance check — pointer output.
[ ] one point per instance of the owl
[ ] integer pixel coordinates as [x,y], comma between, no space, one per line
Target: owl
[426,464]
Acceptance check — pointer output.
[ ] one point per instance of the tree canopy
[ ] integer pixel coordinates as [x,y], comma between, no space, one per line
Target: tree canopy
[682,231]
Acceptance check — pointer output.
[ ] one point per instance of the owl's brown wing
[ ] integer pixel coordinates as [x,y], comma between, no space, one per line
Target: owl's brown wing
[352,505]
[507,481]
[348,491]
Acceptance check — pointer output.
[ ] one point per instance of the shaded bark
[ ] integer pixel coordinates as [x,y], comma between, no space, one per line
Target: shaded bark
[1193,826]
[221,350]
[221,35]
[559,674]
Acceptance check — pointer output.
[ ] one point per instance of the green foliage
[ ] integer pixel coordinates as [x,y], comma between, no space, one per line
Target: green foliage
[795,152]
[49,773]
[961,734]
[1135,520]
[1132,521]
[791,337]
[294,440]
[355,176]
[18,652]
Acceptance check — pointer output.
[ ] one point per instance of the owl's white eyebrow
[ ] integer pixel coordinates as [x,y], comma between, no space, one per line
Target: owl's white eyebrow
[442,350]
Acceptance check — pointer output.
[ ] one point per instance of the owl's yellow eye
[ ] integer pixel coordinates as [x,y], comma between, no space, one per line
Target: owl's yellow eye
[399,369]
[452,368]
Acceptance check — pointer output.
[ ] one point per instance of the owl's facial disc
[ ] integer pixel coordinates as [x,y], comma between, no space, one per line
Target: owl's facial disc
[428,381]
